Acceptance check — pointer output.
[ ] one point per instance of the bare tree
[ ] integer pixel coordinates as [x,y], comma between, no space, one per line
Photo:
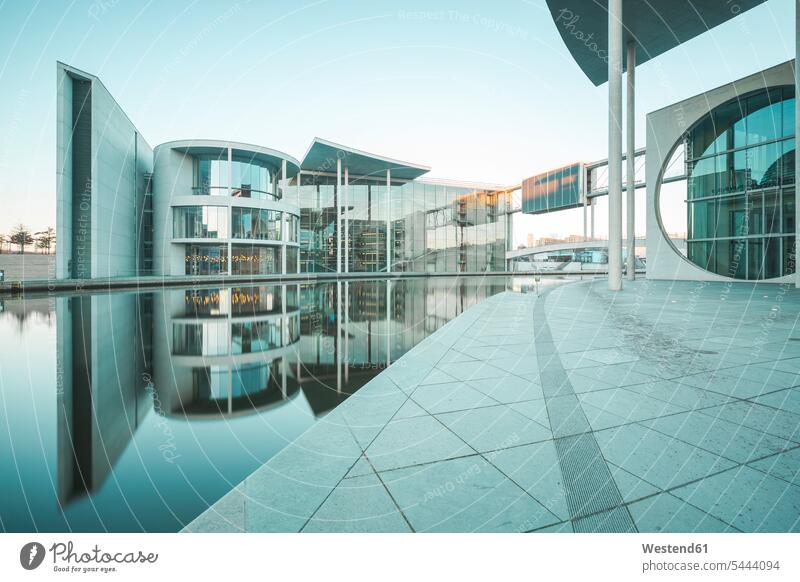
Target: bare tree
[45,239]
[21,237]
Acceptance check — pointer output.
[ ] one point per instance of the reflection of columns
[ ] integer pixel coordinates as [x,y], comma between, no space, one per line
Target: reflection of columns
[230,210]
[346,221]
[388,221]
[631,159]
[346,328]
[336,344]
[338,215]
[388,320]
[284,364]
[796,133]
[615,145]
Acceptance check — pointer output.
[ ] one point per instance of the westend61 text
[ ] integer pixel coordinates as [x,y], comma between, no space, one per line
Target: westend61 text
[670,549]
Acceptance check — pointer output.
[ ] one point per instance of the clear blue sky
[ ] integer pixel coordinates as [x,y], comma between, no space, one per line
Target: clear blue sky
[477,90]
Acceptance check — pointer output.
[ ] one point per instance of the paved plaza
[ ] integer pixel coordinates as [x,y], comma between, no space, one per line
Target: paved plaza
[667,407]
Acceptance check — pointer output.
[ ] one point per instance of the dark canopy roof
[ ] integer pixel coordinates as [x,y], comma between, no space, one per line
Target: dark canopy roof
[655,25]
[322,156]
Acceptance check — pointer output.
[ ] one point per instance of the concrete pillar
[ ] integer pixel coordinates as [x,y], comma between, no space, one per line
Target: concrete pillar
[585,203]
[338,215]
[346,220]
[615,145]
[388,322]
[630,146]
[591,216]
[230,210]
[388,221]
[284,222]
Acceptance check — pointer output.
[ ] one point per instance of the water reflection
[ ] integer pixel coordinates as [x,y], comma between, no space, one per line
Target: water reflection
[164,401]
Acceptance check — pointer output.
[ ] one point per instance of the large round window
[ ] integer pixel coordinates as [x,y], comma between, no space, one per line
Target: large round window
[740,188]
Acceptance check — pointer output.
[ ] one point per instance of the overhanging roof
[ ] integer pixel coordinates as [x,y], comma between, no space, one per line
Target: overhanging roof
[322,156]
[241,151]
[655,25]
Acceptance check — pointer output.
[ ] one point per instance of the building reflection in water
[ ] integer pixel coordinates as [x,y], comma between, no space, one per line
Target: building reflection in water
[228,353]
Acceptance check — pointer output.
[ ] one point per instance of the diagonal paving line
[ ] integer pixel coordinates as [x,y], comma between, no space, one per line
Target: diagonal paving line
[593,498]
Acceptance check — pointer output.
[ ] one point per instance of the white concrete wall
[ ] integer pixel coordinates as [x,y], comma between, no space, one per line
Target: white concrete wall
[120,157]
[665,129]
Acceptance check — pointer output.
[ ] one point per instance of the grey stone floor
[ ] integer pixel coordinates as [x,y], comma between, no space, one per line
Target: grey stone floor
[669,407]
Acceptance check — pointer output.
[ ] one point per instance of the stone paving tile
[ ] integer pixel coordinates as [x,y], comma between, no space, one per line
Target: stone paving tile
[725,385]
[453,356]
[409,410]
[630,486]
[464,495]
[470,370]
[536,410]
[611,356]
[681,395]
[787,399]
[719,436]
[226,516]
[360,504]
[624,374]
[665,513]
[450,397]
[747,499]
[785,466]
[658,459]
[535,468]
[438,376]
[563,527]
[508,389]
[627,404]
[412,441]
[497,427]
[779,423]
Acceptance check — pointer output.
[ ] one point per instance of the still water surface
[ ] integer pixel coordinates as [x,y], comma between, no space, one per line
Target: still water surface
[136,411]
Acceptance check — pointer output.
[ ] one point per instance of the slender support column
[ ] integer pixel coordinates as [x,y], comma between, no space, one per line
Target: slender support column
[388,221]
[631,159]
[615,145]
[284,222]
[338,215]
[230,210]
[796,134]
[591,215]
[346,220]
[585,203]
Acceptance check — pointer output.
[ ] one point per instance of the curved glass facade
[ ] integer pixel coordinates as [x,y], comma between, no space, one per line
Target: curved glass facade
[247,178]
[200,222]
[256,223]
[740,167]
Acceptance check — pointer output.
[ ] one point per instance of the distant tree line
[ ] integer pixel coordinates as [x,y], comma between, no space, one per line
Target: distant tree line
[22,237]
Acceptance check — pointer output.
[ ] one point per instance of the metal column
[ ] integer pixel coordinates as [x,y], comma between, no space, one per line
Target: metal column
[346,220]
[284,222]
[338,215]
[388,220]
[615,145]
[631,159]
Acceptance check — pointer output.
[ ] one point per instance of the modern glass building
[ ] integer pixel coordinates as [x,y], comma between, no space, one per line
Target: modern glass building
[741,201]
[738,142]
[206,208]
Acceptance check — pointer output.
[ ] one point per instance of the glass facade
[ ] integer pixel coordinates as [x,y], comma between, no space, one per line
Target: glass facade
[256,223]
[431,227]
[246,177]
[200,222]
[740,189]
[206,259]
[255,260]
